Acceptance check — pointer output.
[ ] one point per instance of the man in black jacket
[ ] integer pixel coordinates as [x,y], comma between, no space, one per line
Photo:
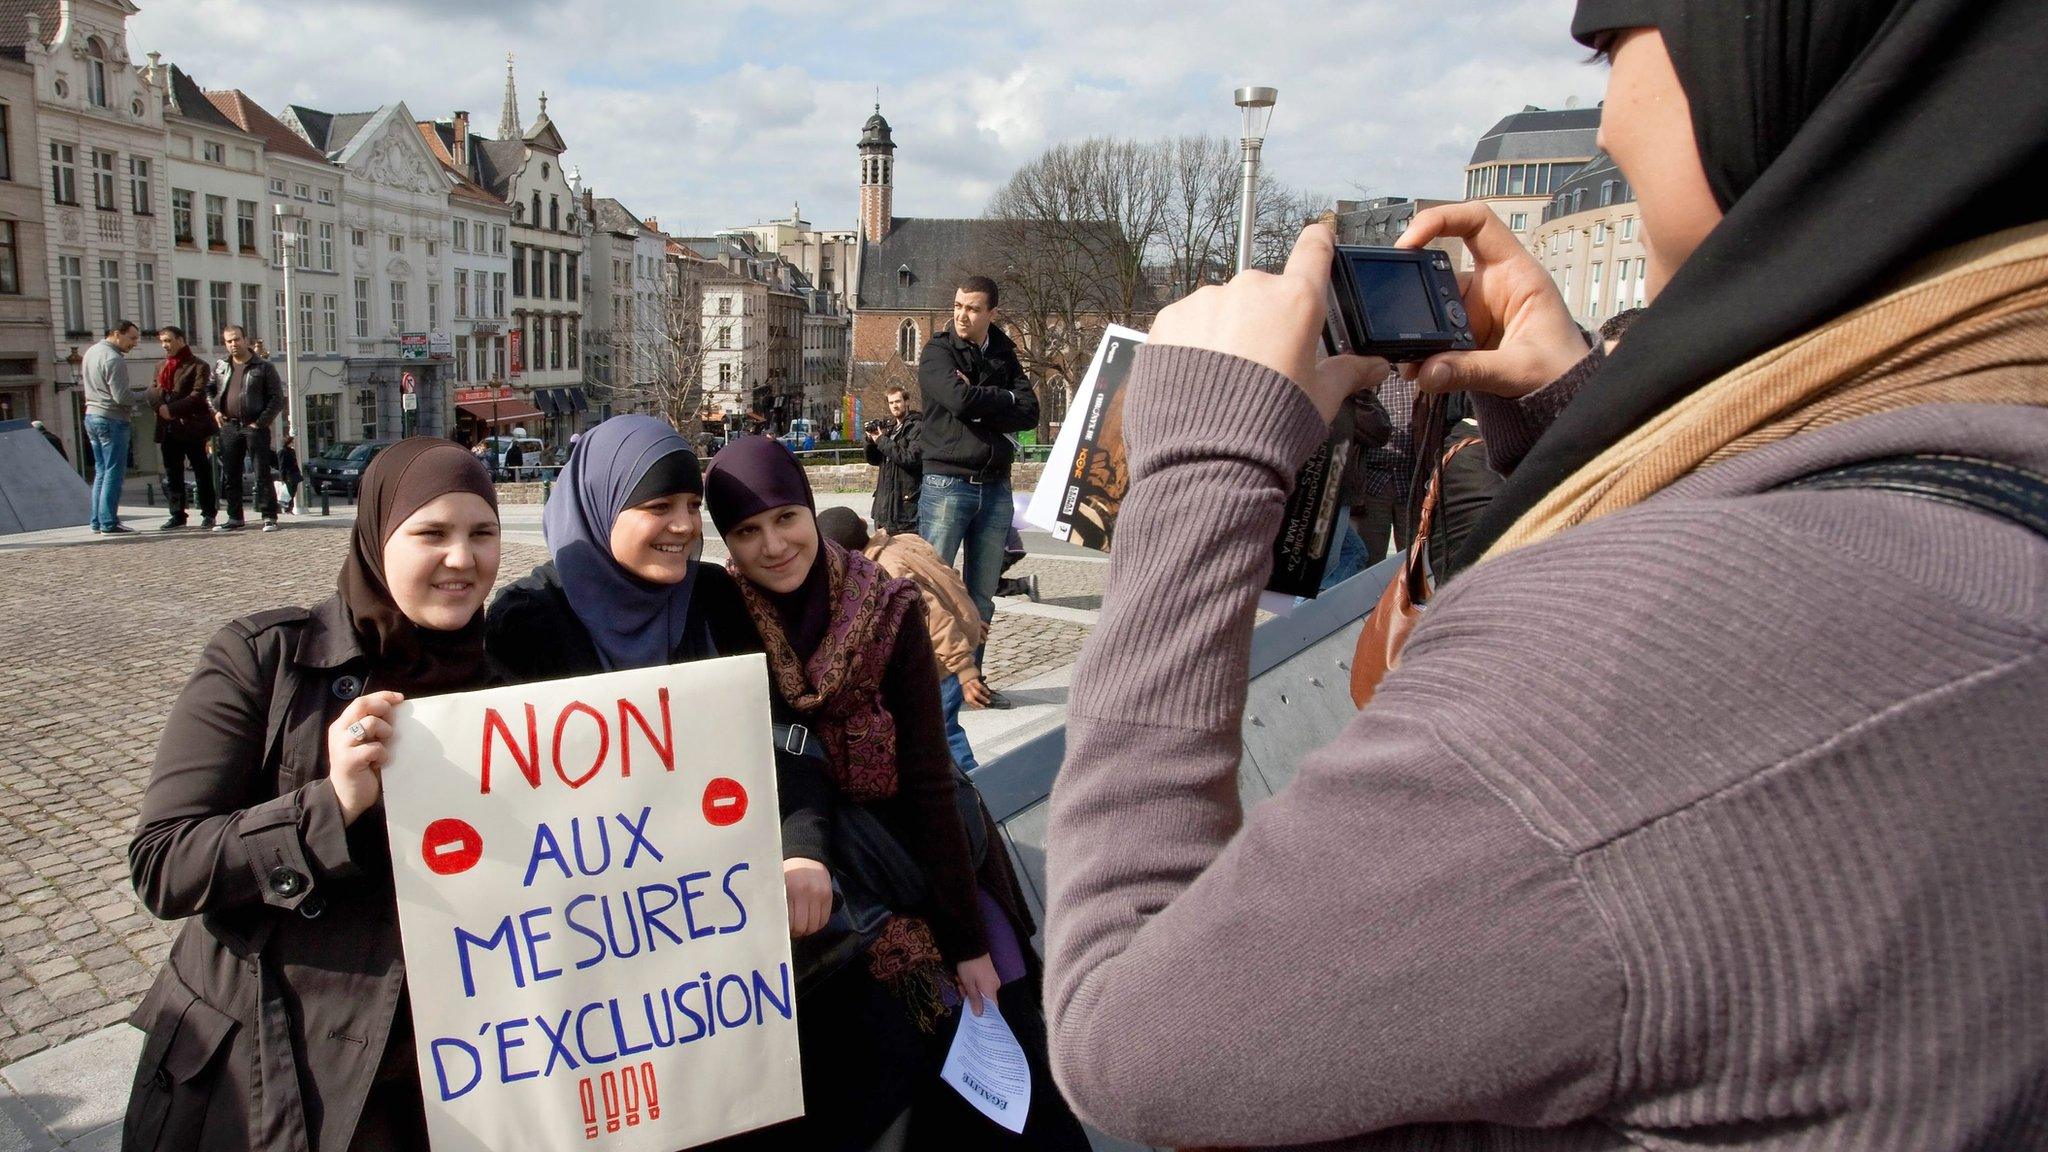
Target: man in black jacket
[247,396]
[893,448]
[975,396]
[184,424]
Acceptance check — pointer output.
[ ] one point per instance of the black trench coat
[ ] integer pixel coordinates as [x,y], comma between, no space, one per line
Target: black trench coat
[266,1027]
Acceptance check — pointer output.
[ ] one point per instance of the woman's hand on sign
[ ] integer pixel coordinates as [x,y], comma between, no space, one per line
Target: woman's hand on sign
[809,885]
[355,755]
[978,979]
[1276,321]
[1519,318]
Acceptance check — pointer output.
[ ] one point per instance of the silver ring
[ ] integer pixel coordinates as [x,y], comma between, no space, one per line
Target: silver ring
[357,733]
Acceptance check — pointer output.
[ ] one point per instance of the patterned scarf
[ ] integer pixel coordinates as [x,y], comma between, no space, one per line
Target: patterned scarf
[840,689]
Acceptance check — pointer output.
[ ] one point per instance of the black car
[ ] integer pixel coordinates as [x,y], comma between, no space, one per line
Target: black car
[339,467]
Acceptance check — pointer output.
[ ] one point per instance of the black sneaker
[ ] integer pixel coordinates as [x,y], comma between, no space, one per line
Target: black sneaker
[230,526]
[118,530]
[998,701]
[173,524]
[206,525]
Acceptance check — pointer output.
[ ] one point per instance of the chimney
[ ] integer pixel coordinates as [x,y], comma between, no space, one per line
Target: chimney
[462,145]
[653,224]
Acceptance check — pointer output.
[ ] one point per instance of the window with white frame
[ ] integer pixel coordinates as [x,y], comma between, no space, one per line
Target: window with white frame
[326,196]
[142,202]
[277,315]
[277,186]
[906,342]
[71,289]
[459,234]
[216,221]
[188,309]
[63,172]
[302,192]
[330,320]
[145,293]
[1595,281]
[398,310]
[483,295]
[1600,232]
[103,181]
[218,293]
[276,240]
[1641,271]
[1518,221]
[433,306]
[462,359]
[498,295]
[95,72]
[432,247]
[1621,286]
[213,152]
[497,239]
[110,291]
[1628,228]
[397,242]
[245,225]
[461,292]
[252,305]
[326,247]
[362,308]
[358,238]
[305,329]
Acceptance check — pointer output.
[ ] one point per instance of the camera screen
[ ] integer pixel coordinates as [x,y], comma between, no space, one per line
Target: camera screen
[1395,296]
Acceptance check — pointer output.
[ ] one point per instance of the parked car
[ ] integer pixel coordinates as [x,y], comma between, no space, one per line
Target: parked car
[339,467]
[533,454]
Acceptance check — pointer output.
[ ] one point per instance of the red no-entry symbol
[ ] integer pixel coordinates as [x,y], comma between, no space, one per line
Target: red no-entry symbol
[725,802]
[451,846]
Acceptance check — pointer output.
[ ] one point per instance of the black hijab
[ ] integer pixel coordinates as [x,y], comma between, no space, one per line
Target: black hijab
[1845,139]
[748,477]
[404,657]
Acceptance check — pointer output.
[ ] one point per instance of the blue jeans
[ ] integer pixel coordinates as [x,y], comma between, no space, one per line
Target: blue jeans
[1350,560]
[109,440]
[953,514]
[951,698]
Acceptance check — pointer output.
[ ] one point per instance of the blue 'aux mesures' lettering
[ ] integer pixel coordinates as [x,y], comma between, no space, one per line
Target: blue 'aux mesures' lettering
[593,858]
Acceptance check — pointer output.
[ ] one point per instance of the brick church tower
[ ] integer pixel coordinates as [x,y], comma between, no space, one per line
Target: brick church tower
[877,178]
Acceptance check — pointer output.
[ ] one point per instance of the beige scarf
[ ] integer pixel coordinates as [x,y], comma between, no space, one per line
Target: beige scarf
[1969,326]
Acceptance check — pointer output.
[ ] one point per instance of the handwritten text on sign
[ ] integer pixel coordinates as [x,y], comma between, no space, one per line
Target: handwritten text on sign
[590,893]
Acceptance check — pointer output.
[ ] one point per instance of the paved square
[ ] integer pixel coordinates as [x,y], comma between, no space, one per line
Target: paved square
[99,639]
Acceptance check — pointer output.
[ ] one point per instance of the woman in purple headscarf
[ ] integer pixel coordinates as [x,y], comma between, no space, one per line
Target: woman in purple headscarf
[851,667]
[624,589]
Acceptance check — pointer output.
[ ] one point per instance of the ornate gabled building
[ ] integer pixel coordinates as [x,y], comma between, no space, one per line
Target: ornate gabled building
[395,212]
[480,271]
[98,137]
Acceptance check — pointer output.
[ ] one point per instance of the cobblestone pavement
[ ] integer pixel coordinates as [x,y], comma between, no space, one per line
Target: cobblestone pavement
[98,639]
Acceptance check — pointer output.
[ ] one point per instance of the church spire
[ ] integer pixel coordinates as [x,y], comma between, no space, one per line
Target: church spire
[508,119]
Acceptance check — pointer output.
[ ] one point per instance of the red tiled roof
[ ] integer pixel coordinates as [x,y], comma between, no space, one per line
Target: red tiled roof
[251,117]
[465,188]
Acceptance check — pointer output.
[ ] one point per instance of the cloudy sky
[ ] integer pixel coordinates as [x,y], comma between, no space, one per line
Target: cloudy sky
[717,113]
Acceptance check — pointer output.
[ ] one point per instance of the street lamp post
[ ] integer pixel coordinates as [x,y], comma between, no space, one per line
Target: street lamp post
[1257,106]
[288,216]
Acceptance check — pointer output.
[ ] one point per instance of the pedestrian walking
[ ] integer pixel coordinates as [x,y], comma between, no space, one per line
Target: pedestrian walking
[184,425]
[892,447]
[949,612]
[976,396]
[289,475]
[1705,809]
[247,398]
[850,664]
[103,378]
[281,1017]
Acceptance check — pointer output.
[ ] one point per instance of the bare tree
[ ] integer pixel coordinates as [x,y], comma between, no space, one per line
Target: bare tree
[1104,231]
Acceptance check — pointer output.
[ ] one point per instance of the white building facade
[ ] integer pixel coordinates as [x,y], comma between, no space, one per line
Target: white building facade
[99,128]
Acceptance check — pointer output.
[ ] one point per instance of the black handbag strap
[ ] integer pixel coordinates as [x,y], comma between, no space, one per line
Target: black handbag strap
[1988,486]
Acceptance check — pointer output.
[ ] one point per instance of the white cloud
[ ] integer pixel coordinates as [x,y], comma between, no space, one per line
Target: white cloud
[714,115]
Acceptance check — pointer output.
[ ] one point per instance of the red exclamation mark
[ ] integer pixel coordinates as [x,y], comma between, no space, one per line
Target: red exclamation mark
[647,1089]
[629,1085]
[610,1084]
[589,1096]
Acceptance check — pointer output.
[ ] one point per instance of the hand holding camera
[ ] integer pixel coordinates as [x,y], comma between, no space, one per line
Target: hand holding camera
[1277,322]
[1519,322]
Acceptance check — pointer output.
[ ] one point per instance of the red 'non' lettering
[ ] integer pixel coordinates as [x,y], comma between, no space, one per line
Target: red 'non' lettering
[604,743]
[529,764]
[665,747]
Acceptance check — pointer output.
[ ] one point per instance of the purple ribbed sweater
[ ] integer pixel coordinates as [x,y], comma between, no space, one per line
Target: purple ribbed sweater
[1720,822]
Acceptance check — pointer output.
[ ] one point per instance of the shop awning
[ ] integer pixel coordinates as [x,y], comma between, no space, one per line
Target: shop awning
[507,411]
[575,400]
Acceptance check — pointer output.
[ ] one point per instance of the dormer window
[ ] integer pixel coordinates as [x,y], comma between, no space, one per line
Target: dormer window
[903,276]
[96,72]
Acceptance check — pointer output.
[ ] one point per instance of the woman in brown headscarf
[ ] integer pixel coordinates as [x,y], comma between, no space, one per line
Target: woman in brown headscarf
[854,681]
[280,1018]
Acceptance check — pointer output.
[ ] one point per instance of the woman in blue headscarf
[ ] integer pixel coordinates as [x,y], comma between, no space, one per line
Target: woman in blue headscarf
[624,589]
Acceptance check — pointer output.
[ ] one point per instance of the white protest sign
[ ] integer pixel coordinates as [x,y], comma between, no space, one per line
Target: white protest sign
[590,894]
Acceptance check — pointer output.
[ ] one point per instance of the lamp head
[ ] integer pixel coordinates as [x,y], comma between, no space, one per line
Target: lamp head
[1257,106]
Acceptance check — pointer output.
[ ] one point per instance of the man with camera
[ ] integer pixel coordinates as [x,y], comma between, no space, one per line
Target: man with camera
[976,396]
[892,446]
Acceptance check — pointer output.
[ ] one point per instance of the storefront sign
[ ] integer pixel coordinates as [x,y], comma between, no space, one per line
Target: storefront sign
[412,346]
